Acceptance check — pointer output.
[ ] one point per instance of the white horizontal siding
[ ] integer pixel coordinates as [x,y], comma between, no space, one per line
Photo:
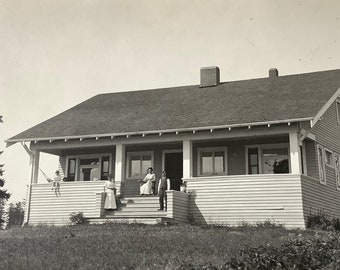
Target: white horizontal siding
[178,205]
[318,197]
[49,207]
[246,198]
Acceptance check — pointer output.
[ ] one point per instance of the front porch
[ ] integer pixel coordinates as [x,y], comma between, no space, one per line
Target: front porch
[227,200]
[252,163]
[53,207]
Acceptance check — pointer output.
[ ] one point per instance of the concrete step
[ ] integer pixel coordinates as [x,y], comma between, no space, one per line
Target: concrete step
[135,214]
[140,205]
[127,220]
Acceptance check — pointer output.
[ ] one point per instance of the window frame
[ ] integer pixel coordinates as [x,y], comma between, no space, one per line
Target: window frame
[260,148]
[332,157]
[337,171]
[139,153]
[212,149]
[320,147]
[337,107]
[84,156]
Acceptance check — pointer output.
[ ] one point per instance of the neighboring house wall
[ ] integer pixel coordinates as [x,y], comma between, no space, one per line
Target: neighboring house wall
[253,198]
[49,207]
[318,198]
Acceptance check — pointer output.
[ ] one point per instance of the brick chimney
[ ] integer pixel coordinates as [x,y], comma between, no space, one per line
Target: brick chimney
[210,76]
[273,72]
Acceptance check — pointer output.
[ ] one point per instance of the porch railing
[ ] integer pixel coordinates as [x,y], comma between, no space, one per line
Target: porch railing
[54,206]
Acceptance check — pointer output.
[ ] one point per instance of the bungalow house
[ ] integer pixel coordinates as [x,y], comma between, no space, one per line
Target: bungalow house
[249,151]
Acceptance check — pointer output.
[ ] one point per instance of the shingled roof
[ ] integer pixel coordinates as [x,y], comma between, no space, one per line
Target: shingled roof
[229,103]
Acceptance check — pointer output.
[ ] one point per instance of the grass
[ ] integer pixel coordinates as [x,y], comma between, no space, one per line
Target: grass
[123,246]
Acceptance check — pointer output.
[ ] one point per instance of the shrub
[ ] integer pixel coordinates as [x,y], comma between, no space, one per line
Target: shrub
[77,218]
[323,222]
[295,254]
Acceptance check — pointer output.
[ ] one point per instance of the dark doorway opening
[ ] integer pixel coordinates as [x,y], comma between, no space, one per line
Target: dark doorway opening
[173,165]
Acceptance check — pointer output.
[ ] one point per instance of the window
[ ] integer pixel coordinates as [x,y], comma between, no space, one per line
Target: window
[212,161]
[275,160]
[88,167]
[253,160]
[267,159]
[105,169]
[71,171]
[338,110]
[329,158]
[138,163]
[321,163]
[337,170]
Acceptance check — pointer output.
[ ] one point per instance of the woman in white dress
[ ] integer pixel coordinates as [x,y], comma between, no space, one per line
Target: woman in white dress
[110,199]
[146,183]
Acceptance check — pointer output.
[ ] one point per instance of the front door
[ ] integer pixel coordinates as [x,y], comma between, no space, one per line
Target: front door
[173,165]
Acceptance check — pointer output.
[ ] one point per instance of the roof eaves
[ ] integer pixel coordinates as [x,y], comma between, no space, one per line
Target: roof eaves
[149,132]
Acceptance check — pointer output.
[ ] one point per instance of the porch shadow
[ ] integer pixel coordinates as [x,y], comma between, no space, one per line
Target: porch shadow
[195,215]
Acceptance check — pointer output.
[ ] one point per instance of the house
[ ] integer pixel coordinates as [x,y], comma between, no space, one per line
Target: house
[249,151]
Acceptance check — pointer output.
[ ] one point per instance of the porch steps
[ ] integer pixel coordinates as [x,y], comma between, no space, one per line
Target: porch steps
[135,209]
[131,187]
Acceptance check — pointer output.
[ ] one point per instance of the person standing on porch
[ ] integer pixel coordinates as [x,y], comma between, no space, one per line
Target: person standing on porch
[146,183]
[110,198]
[163,186]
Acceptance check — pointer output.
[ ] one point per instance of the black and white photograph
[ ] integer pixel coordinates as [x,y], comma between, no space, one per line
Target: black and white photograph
[169,134]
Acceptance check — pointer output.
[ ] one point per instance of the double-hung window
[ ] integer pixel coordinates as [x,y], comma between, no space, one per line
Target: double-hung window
[138,163]
[212,161]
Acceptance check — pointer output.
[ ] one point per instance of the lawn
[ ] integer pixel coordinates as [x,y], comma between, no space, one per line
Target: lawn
[123,246]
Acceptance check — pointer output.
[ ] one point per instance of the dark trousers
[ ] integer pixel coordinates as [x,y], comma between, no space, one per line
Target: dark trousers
[162,198]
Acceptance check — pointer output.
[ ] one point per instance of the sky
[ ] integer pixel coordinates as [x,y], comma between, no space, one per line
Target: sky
[56,54]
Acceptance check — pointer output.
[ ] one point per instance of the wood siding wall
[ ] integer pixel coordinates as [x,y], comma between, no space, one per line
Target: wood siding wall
[327,130]
[49,207]
[318,198]
[327,134]
[250,198]
[312,159]
[178,205]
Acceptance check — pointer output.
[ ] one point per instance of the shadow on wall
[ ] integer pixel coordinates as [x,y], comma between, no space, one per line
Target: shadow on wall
[195,215]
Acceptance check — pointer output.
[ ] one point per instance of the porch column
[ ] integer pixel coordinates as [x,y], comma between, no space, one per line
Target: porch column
[35,166]
[295,155]
[119,167]
[35,157]
[187,159]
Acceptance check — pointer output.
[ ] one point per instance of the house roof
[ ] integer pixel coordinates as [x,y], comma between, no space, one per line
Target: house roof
[283,98]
